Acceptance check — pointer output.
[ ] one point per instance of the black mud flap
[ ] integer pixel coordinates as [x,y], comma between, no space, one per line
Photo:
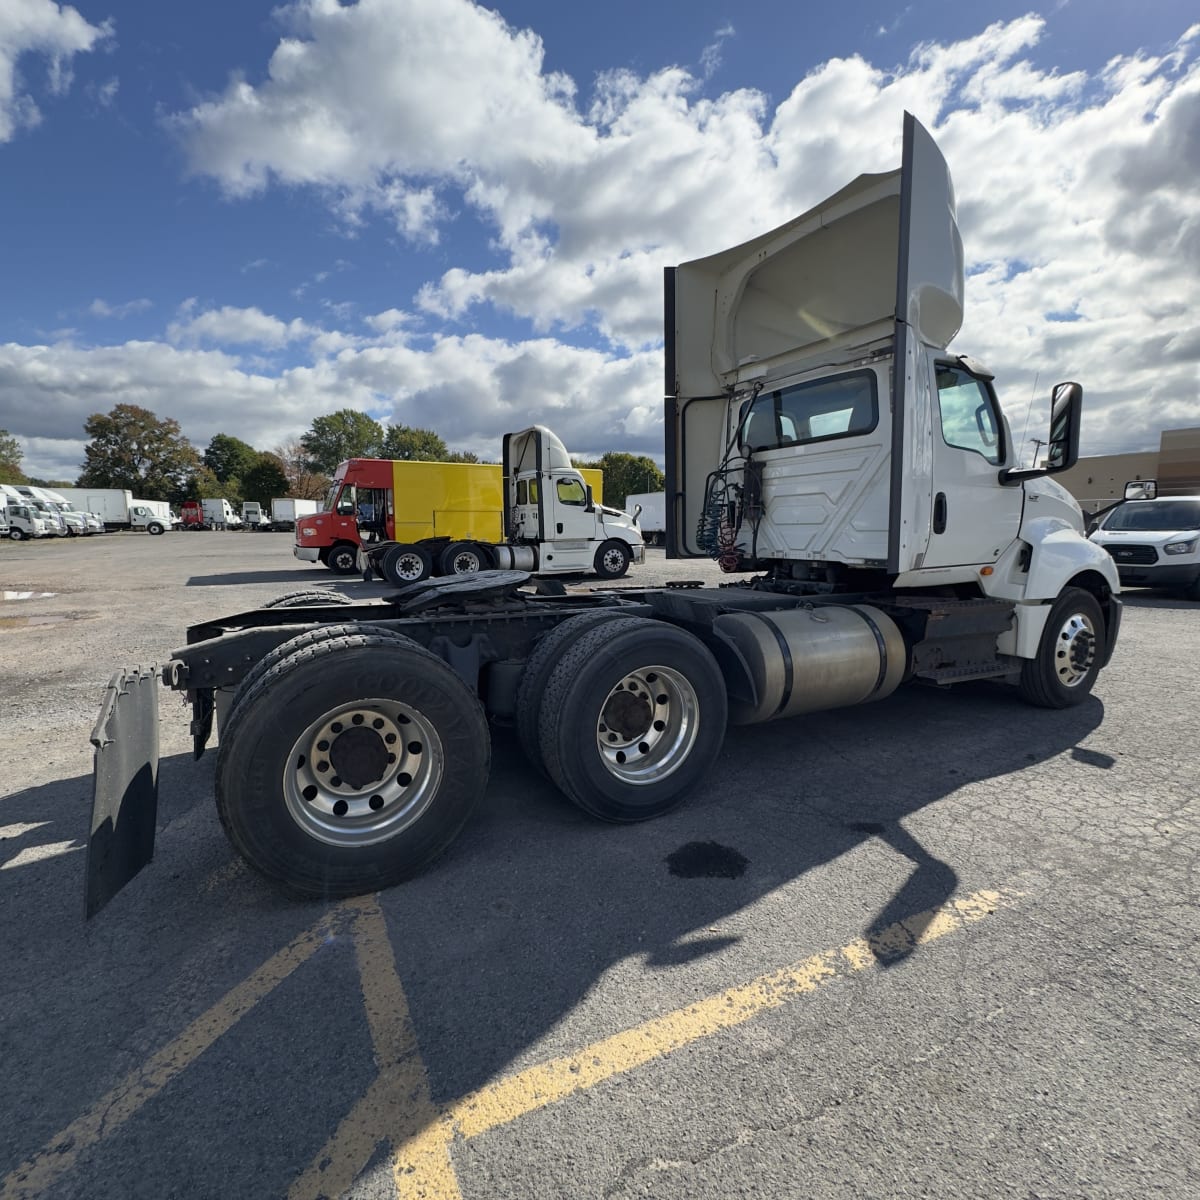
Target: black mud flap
[125,785]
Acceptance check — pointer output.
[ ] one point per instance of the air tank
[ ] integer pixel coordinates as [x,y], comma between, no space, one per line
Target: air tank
[806,659]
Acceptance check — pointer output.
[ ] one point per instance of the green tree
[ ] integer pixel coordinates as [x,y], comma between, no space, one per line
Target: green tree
[417,445]
[626,475]
[344,434]
[265,480]
[202,484]
[10,459]
[229,457]
[132,448]
[466,456]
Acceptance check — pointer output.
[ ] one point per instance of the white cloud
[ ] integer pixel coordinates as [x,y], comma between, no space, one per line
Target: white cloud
[1076,196]
[236,327]
[39,27]
[101,308]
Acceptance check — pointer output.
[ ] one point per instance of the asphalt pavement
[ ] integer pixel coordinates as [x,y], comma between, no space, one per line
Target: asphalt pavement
[944,945]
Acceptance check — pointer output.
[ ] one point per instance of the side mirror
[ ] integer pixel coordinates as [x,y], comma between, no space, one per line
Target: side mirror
[637,512]
[1141,489]
[1066,410]
[590,505]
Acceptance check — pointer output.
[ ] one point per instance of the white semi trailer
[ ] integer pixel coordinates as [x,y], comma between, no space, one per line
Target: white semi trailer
[651,509]
[818,434]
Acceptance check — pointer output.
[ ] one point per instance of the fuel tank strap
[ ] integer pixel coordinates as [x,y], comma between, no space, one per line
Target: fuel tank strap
[880,642]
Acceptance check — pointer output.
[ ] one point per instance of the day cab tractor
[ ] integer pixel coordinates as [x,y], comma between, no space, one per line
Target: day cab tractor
[819,435]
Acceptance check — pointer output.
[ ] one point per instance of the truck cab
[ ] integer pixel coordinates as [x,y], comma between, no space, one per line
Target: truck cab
[820,429]
[552,511]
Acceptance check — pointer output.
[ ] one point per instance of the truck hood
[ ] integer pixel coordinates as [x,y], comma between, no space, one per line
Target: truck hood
[886,248]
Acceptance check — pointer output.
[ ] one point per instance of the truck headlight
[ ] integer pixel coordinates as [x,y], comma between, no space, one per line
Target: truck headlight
[1181,547]
[308,532]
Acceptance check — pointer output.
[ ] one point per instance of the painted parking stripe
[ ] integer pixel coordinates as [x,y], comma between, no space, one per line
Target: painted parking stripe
[537,1087]
[37,1174]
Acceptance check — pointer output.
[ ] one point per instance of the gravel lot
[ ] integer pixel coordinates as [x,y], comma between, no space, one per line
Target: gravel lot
[205,1036]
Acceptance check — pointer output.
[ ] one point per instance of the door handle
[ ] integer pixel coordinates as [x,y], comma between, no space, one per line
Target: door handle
[939,513]
[559,527]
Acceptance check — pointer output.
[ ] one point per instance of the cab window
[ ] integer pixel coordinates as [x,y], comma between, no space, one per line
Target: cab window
[522,491]
[346,502]
[815,411]
[968,413]
[570,491]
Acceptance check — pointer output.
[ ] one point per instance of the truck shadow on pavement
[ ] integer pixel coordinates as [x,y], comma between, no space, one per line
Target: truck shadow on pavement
[538,932]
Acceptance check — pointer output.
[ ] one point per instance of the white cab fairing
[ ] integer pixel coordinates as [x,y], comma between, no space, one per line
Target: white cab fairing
[874,270]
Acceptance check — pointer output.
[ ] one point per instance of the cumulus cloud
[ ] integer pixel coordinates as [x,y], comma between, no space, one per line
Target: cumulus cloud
[39,27]
[1075,192]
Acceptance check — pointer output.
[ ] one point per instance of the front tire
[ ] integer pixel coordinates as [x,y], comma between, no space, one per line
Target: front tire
[342,559]
[16,534]
[612,559]
[352,764]
[155,528]
[632,719]
[1069,654]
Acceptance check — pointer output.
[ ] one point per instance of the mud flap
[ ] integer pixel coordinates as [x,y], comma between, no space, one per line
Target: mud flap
[125,785]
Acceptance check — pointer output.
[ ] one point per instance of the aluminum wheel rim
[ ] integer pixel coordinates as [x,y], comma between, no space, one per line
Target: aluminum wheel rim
[613,560]
[647,725]
[466,562]
[357,739]
[1075,650]
[408,567]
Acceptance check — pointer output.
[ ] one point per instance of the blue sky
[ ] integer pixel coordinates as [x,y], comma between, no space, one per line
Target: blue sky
[244,215]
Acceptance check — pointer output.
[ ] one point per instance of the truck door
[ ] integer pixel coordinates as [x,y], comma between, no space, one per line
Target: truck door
[973,517]
[570,517]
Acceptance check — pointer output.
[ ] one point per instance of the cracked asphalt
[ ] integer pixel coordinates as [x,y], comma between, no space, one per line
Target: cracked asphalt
[206,1037]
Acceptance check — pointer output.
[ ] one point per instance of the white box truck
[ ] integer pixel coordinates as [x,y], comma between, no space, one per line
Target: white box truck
[819,435]
[54,522]
[652,519]
[22,519]
[287,510]
[111,505]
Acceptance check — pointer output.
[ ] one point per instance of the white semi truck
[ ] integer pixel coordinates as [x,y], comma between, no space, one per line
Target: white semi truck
[818,433]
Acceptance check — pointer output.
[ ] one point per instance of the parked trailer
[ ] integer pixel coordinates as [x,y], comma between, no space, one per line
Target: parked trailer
[818,433]
[111,505]
[537,512]
[287,510]
[651,513]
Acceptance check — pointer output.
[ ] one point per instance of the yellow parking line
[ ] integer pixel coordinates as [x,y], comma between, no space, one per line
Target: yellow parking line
[544,1084]
[60,1154]
[397,1107]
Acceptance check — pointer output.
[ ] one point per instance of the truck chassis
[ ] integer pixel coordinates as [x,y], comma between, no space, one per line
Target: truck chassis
[355,739]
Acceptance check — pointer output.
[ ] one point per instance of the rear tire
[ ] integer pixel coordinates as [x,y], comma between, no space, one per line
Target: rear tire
[403,565]
[612,559]
[1069,654]
[461,558]
[539,666]
[632,719]
[342,559]
[352,765]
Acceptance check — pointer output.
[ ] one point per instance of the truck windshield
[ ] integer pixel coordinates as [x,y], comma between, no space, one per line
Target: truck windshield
[1155,515]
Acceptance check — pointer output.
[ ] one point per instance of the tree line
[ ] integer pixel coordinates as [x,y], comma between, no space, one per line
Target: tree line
[132,448]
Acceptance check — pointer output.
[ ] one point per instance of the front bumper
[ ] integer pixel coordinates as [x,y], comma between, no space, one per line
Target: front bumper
[1164,575]
[307,553]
